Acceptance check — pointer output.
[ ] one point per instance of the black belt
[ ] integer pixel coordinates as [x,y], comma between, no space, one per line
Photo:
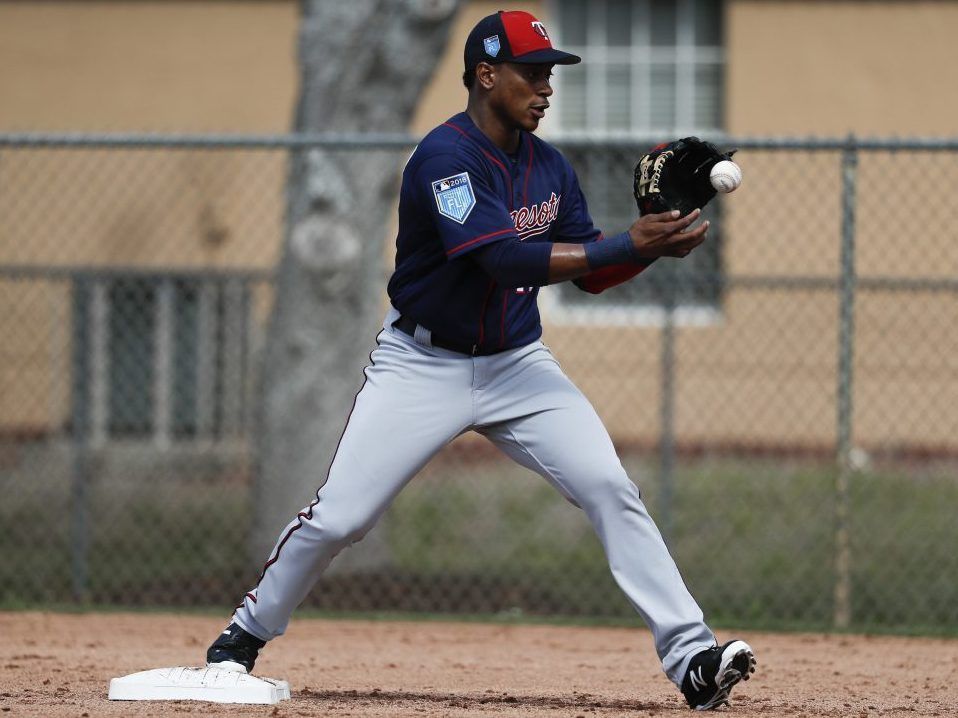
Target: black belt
[408,326]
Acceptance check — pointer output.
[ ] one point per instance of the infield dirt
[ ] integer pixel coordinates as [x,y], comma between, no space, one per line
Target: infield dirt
[60,665]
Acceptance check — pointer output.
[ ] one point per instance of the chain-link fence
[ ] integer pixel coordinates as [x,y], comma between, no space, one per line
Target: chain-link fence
[787,398]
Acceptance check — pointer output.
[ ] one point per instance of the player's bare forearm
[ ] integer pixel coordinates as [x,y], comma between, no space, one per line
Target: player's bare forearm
[567,261]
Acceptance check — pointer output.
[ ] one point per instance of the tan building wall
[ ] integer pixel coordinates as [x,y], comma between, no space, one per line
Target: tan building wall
[154,67]
[793,68]
[130,66]
[169,65]
[806,68]
[876,67]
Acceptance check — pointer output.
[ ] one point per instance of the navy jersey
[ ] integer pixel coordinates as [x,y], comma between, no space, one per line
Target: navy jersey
[461,192]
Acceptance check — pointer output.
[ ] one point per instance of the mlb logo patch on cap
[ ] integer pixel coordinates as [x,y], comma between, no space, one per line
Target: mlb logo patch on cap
[454,196]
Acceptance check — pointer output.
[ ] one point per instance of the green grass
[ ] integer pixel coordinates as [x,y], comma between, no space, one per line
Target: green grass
[754,541]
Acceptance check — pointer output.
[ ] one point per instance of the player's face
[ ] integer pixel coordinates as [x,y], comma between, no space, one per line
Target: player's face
[522,93]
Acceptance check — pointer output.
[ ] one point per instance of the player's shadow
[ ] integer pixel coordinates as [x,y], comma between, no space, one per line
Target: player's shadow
[496,700]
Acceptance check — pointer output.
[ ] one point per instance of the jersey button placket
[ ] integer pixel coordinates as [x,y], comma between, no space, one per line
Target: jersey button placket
[516,185]
[476,380]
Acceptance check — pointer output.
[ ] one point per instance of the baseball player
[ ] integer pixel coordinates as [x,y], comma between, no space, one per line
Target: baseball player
[488,213]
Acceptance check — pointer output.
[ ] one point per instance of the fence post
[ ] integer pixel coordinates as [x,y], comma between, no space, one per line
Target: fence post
[83,306]
[846,354]
[667,414]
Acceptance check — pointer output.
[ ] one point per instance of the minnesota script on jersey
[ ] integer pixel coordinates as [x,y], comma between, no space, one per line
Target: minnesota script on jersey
[461,192]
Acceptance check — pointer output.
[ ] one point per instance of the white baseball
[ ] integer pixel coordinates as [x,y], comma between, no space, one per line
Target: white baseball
[726,176]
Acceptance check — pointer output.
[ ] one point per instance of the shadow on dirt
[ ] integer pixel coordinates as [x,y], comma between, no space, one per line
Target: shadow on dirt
[489,699]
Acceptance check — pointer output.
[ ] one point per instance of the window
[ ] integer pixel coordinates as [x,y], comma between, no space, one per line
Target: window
[159,357]
[650,68]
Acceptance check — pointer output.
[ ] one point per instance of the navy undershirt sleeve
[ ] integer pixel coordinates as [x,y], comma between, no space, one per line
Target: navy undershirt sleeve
[514,263]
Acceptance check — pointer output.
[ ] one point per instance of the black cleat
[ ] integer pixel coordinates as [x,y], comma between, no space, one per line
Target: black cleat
[234,649]
[714,671]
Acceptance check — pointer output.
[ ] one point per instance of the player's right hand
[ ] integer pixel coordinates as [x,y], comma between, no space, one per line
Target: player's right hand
[666,234]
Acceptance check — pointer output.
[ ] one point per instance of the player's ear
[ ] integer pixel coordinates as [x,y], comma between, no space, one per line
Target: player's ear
[485,75]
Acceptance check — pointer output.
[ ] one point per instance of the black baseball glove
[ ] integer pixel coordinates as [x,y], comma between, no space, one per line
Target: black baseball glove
[676,176]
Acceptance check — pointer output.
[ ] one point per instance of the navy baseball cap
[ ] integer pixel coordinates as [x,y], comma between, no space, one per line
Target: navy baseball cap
[512,36]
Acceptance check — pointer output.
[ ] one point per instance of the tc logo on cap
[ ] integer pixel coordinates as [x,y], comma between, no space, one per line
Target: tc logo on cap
[540,29]
[492,45]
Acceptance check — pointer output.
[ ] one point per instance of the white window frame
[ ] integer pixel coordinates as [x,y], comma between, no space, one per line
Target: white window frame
[596,56]
[640,54]
[233,326]
[555,310]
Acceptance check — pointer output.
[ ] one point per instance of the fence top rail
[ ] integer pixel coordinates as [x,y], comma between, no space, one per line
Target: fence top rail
[355,141]
[138,140]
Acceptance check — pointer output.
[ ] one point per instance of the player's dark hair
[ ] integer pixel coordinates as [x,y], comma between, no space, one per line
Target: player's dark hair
[469,78]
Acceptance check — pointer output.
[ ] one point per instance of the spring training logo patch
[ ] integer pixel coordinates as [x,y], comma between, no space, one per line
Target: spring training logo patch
[454,197]
[492,45]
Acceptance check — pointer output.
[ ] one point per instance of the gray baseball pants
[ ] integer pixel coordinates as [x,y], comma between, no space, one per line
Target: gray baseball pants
[418,398]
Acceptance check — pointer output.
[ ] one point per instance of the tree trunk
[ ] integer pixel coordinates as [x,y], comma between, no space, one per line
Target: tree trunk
[364,65]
